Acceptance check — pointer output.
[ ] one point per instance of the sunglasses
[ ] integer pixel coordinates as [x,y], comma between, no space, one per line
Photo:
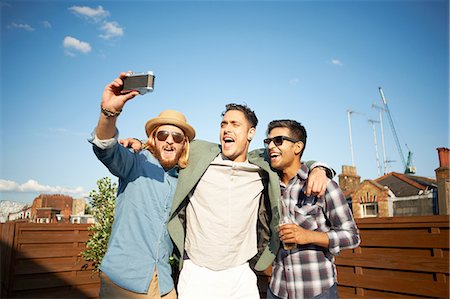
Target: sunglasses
[163,135]
[278,140]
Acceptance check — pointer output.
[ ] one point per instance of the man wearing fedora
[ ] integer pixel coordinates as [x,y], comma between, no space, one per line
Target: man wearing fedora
[136,264]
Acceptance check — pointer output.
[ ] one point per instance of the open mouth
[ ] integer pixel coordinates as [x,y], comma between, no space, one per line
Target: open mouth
[228,139]
[274,155]
[227,143]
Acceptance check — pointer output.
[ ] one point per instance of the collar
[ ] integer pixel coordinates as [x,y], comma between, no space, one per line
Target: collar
[173,172]
[302,175]
[303,172]
[222,157]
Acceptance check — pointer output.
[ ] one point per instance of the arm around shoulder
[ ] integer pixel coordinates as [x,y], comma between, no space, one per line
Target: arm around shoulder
[330,172]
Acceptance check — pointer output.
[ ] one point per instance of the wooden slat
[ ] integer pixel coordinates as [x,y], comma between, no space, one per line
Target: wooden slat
[405,286]
[79,292]
[44,281]
[48,265]
[49,251]
[42,234]
[403,239]
[374,294]
[421,264]
[52,239]
[411,252]
[419,221]
[52,226]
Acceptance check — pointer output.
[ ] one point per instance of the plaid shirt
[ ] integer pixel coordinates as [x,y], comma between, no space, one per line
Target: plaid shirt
[308,270]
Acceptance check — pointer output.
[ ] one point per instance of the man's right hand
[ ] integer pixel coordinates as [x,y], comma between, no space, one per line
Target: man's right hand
[133,143]
[113,98]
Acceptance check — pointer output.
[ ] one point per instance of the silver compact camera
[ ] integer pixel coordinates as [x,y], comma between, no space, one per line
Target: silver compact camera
[141,82]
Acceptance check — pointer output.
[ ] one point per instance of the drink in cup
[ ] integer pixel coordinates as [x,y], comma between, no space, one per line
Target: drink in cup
[287,246]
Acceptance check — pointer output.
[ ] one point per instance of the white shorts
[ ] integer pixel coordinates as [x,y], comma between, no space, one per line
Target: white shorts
[197,282]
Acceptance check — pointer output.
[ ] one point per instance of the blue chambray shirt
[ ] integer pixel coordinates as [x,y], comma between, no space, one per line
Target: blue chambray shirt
[139,241]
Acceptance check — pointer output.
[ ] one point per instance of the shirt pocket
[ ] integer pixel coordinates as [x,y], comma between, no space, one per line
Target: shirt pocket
[306,216]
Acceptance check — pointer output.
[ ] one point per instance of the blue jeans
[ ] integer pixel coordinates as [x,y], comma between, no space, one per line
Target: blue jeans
[331,293]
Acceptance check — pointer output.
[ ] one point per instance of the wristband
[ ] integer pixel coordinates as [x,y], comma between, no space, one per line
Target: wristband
[109,113]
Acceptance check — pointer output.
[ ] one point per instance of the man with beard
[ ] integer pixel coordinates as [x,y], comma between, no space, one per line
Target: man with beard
[136,264]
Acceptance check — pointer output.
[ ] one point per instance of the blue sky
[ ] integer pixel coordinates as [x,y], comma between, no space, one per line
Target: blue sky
[305,60]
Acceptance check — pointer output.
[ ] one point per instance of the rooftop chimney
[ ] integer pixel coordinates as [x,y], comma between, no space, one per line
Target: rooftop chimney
[349,180]
[443,181]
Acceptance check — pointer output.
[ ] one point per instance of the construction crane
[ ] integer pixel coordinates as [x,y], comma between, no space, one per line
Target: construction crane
[407,163]
[349,113]
[380,112]
[372,121]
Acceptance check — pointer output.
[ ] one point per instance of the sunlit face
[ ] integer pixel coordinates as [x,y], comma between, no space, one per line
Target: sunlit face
[284,156]
[168,151]
[235,135]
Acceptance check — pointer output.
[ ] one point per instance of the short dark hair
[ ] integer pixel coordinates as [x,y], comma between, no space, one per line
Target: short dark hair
[296,129]
[249,114]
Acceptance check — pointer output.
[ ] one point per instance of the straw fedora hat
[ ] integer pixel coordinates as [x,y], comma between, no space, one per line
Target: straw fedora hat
[170,117]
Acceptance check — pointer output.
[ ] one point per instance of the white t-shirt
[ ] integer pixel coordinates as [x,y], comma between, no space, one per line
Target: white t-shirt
[222,214]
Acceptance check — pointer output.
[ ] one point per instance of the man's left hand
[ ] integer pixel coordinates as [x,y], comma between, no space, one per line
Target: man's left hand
[317,182]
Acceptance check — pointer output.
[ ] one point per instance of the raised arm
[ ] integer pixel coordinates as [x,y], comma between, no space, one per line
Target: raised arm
[113,100]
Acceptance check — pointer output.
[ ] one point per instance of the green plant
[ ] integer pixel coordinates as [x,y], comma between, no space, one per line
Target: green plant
[102,203]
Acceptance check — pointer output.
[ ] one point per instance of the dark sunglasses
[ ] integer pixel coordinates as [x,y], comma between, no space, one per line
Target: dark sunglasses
[278,140]
[163,135]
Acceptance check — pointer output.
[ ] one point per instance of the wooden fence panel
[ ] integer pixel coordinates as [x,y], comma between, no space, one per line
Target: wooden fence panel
[404,257]
[45,261]
[6,252]
[401,257]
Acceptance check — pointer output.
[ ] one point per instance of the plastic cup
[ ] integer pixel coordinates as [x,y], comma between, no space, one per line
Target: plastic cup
[287,246]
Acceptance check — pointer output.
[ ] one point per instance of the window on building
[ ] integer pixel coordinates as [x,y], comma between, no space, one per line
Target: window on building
[369,209]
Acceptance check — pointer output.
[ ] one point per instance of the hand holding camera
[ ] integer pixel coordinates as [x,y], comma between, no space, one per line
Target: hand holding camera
[123,89]
[141,82]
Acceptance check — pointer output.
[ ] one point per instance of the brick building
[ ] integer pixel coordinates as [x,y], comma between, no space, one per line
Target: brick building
[52,208]
[46,206]
[395,194]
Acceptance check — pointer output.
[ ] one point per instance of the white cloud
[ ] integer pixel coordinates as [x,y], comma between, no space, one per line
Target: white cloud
[32,186]
[71,43]
[91,14]
[6,185]
[46,24]
[25,27]
[337,62]
[111,29]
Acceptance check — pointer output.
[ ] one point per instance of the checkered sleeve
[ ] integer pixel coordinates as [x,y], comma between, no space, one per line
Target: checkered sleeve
[343,232]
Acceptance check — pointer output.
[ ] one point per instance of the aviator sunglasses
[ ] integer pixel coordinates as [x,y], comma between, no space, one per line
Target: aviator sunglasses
[278,140]
[163,135]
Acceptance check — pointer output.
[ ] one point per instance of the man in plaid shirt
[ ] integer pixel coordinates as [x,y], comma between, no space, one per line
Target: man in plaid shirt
[316,229]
